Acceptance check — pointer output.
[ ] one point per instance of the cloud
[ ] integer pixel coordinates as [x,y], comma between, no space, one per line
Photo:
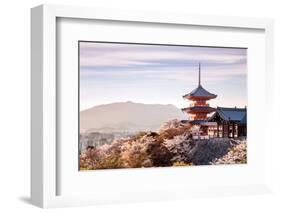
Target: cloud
[188,75]
[159,73]
[97,55]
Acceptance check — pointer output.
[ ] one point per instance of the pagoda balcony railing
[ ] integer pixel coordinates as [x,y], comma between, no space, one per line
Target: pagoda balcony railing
[199,104]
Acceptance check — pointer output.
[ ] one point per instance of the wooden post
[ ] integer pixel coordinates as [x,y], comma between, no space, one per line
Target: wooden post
[217,129]
[223,129]
[228,126]
[233,126]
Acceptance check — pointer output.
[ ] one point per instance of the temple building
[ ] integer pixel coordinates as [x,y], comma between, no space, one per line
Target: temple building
[199,109]
[231,122]
[214,122]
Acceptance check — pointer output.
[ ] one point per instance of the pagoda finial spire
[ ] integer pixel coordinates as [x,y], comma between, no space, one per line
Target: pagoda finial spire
[199,79]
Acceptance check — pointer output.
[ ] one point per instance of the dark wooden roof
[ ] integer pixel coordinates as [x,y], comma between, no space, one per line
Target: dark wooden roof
[231,114]
[200,92]
[199,108]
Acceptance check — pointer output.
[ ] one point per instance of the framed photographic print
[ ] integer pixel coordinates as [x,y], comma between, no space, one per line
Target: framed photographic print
[149,106]
[132,113]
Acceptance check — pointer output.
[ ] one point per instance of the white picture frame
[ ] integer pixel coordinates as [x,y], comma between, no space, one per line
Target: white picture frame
[44,155]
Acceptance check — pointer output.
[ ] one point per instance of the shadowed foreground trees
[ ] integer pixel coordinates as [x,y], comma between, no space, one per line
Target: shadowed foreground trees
[170,146]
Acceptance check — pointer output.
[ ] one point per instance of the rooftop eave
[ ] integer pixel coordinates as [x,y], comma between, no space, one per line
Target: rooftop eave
[198,109]
[192,97]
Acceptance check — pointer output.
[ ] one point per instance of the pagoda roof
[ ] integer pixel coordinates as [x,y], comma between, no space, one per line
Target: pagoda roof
[199,108]
[232,114]
[203,122]
[200,92]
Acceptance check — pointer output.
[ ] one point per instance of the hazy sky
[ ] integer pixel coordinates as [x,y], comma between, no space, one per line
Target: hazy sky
[160,74]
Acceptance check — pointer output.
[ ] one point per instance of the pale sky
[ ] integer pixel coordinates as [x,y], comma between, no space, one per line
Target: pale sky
[160,74]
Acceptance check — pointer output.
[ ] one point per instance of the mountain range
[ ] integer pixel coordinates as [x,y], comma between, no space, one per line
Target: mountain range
[127,117]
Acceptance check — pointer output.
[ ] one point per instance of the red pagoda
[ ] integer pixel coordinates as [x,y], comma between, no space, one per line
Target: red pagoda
[199,108]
